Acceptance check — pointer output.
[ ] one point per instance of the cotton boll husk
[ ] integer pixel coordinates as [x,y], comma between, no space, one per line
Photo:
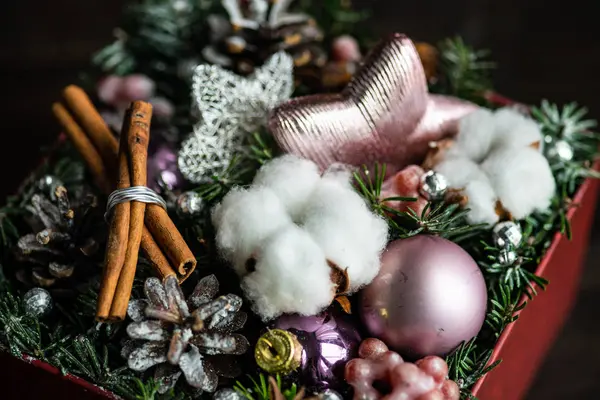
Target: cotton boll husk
[522,179]
[514,129]
[292,276]
[464,174]
[291,178]
[243,220]
[350,235]
[475,135]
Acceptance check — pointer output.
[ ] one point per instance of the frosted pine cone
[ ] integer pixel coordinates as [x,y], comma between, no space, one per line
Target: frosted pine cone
[198,344]
[65,239]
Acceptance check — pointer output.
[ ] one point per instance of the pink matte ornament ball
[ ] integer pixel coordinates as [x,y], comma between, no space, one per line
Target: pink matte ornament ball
[429,296]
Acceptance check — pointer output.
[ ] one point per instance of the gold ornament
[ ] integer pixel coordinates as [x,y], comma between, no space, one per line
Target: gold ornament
[278,352]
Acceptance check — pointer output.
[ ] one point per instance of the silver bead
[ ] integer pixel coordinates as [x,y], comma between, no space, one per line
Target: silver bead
[189,204]
[507,257]
[37,302]
[329,395]
[433,186]
[560,150]
[228,394]
[507,234]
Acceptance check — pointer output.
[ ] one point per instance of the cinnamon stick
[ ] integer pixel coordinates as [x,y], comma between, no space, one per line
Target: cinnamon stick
[155,255]
[164,231]
[84,146]
[118,236]
[138,135]
[92,122]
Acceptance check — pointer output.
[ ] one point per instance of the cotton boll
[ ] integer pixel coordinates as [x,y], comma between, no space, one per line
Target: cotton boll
[522,179]
[458,171]
[475,134]
[243,220]
[464,174]
[514,129]
[482,202]
[350,235]
[292,276]
[292,179]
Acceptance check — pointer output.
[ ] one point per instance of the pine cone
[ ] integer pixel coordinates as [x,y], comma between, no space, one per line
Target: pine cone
[199,343]
[257,29]
[66,240]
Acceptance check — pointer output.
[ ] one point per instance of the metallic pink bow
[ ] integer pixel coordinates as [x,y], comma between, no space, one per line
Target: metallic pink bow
[384,115]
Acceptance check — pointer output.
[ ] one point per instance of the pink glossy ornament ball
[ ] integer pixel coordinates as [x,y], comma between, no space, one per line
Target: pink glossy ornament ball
[429,296]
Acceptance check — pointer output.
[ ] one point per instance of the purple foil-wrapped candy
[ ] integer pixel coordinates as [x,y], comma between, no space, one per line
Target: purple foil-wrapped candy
[329,340]
[163,172]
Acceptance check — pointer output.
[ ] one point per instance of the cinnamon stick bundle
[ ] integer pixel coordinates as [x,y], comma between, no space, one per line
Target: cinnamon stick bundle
[98,147]
[127,224]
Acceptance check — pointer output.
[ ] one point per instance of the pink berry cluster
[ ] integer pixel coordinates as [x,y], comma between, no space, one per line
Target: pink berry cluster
[120,91]
[381,374]
[405,183]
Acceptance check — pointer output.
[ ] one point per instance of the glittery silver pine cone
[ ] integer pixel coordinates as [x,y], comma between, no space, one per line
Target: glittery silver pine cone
[193,338]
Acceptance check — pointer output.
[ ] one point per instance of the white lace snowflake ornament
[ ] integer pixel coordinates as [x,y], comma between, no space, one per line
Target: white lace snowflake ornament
[230,107]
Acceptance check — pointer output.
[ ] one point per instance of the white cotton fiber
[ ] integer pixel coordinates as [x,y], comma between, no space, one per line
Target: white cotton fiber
[292,179]
[350,235]
[292,276]
[467,176]
[522,179]
[482,201]
[458,171]
[512,129]
[475,134]
[244,219]
[292,221]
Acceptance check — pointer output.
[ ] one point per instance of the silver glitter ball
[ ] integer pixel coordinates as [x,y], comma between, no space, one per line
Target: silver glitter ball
[189,204]
[507,234]
[433,186]
[228,394]
[37,302]
[507,257]
[560,150]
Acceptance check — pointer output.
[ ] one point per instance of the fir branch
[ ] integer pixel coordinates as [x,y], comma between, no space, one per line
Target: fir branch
[338,17]
[569,124]
[504,306]
[516,277]
[258,388]
[155,34]
[445,220]
[464,72]
[467,364]
[22,332]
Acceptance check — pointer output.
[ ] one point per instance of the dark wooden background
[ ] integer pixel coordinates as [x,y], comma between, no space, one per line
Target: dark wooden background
[545,50]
